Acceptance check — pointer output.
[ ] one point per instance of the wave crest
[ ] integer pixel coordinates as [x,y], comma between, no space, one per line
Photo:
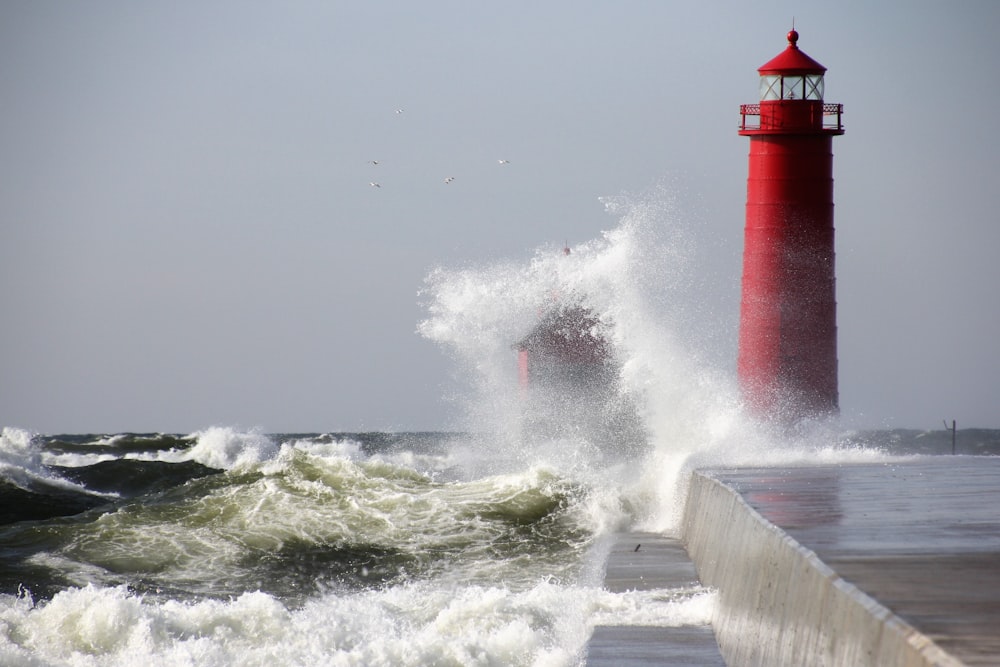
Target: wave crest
[226,448]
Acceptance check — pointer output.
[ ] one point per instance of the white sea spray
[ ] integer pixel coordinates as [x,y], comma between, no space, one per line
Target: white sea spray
[416,624]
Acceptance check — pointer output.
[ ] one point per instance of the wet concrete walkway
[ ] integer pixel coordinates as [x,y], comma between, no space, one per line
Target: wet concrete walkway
[660,562]
[921,537]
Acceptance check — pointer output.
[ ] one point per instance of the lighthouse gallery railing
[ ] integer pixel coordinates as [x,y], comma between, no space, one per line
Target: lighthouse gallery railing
[831,116]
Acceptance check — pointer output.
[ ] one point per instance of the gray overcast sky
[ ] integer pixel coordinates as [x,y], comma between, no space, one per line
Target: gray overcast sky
[188,236]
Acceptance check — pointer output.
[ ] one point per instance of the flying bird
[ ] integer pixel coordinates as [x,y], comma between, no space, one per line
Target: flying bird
[449,179]
[372,161]
[374,184]
[503,161]
[399,111]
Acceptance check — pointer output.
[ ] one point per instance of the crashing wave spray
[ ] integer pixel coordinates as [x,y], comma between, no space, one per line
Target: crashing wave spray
[637,280]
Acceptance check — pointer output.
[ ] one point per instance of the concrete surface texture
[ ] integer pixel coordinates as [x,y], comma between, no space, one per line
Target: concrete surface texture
[642,562]
[892,563]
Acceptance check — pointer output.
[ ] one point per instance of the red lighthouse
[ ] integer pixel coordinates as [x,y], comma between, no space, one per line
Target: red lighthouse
[787,363]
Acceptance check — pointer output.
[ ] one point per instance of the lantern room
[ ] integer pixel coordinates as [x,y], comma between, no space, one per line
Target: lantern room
[791,75]
[791,96]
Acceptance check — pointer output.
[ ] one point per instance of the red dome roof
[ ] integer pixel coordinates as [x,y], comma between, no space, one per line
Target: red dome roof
[791,60]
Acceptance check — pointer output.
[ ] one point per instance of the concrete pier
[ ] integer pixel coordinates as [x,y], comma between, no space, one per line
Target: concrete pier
[659,562]
[878,564]
[893,563]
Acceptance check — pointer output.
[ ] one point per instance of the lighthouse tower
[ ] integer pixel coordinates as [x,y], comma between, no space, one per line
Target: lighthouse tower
[787,362]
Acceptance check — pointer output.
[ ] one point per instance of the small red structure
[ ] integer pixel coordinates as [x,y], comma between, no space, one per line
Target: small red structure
[787,363]
[564,346]
[570,386]
[569,380]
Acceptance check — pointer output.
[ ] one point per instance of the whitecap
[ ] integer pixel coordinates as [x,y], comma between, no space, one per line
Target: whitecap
[227,448]
[546,624]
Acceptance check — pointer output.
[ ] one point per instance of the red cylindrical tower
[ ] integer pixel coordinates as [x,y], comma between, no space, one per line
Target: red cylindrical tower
[787,362]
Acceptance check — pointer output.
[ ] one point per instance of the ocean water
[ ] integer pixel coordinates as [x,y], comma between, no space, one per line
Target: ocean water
[224,547]
[482,545]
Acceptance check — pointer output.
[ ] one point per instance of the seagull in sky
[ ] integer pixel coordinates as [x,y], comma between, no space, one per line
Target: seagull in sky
[372,161]
[399,111]
[449,179]
[374,184]
[503,161]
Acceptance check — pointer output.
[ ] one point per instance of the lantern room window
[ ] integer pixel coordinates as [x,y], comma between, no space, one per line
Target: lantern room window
[778,87]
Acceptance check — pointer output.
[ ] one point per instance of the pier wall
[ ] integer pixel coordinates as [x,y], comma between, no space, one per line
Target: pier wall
[779,604]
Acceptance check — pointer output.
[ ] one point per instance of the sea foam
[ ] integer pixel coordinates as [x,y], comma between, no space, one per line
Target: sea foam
[416,624]
[228,448]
